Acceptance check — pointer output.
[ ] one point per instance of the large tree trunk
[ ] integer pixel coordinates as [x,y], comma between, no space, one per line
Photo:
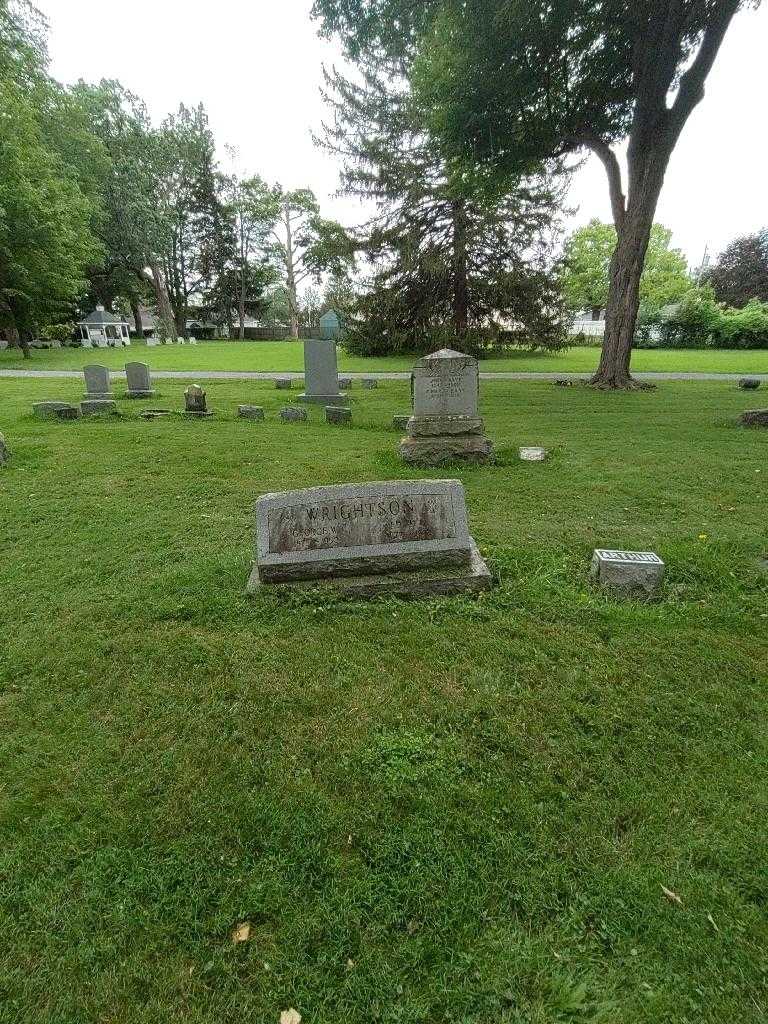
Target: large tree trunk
[164,310]
[460,286]
[136,312]
[290,276]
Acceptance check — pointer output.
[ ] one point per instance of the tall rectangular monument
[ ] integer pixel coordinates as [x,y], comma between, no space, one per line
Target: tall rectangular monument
[321,375]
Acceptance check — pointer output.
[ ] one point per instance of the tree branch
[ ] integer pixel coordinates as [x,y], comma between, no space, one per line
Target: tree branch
[691,89]
[601,148]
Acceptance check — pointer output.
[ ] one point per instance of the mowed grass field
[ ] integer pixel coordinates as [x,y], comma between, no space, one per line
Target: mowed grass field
[289,356]
[447,811]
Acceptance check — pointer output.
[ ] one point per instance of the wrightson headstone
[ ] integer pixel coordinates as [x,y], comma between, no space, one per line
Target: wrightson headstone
[406,537]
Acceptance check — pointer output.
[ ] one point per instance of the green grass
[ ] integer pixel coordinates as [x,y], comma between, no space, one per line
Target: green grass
[282,355]
[447,811]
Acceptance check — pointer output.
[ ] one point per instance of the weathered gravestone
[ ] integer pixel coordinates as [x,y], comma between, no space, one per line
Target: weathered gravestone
[250,412]
[749,383]
[195,403]
[532,454]
[98,407]
[321,377]
[337,414]
[445,424]
[138,381]
[403,537]
[290,414]
[283,383]
[49,410]
[628,573]
[97,383]
[4,451]
[754,418]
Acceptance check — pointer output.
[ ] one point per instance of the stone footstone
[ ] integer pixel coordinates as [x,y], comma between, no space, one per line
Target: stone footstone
[562,382]
[290,414]
[4,452]
[754,418]
[345,383]
[250,412]
[407,538]
[400,422]
[749,383]
[283,383]
[445,425]
[154,414]
[532,454]
[69,412]
[628,573]
[99,407]
[321,378]
[337,414]
[369,383]
[48,410]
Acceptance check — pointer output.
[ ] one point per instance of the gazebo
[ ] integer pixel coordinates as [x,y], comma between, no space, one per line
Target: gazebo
[103,330]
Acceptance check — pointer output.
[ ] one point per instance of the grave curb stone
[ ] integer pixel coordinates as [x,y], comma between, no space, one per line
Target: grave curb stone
[628,573]
[754,418]
[292,414]
[250,412]
[338,414]
[47,410]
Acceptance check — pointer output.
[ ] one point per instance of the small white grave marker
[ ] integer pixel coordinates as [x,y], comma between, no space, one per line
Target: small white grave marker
[628,573]
[533,454]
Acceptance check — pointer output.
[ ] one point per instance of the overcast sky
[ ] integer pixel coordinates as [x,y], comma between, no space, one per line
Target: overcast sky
[256,65]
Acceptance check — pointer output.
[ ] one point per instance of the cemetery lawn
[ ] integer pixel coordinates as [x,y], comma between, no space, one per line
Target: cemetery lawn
[538,806]
[286,356]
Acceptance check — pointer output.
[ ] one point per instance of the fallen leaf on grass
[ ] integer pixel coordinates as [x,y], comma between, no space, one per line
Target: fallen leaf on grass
[671,896]
[290,1017]
[241,932]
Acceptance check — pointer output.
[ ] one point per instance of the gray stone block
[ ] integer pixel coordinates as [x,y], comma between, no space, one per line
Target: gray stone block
[154,414]
[250,412]
[444,426]
[48,410]
[283,383]
[369,383]
[337,414]
[532,454]
[291,414]
[345,383]
[99,407]
[69,412]
[436,451]
[754,418]
[749,383]
[628,573]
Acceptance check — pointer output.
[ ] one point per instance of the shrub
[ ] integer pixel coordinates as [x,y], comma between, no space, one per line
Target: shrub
[57,332]
[743,328]
[693,322]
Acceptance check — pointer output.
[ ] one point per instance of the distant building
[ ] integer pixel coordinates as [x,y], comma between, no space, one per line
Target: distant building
[590,322]
[101,329]
[149,322]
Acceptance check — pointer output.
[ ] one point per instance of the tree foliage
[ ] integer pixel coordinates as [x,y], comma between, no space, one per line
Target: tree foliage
[741,272]
[587,260]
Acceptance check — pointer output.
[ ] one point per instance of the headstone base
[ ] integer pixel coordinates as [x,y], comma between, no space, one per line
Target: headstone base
[754,418]
[340,399]
[435,451]
[140,394]
[250,412]
[99,407]
[197,414]
[98,396]
[427,582]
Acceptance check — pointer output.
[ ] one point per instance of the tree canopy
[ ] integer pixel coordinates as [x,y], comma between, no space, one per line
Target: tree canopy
[741,272]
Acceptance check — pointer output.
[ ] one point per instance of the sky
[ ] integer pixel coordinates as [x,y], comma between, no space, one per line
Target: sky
[257,67]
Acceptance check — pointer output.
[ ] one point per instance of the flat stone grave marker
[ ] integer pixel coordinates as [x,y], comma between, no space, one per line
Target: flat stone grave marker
[754,418]
[337,414]
[250,412]
[369,383]
[628,573]
[154,414]
[98,407]
[445,424]
[195,403]
[97,384]
[532,454]
[405,537]
[749,383]
[283,383]
[48,410]
[138,381]
[321,377]
[345,383]
[69,412]
[290,414]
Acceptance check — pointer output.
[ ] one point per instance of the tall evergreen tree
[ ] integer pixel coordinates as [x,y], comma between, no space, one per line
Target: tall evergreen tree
[452,264]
